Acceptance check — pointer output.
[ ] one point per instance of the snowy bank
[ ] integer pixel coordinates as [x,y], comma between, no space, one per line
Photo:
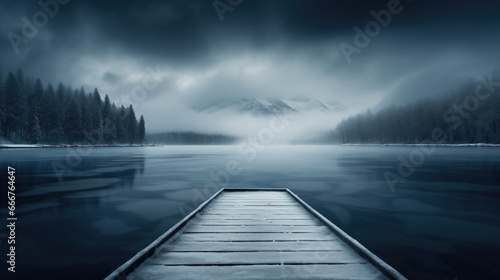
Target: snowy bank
[23,146]
[429,144]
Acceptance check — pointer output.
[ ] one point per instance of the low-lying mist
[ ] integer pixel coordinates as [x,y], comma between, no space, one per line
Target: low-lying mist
[301,126]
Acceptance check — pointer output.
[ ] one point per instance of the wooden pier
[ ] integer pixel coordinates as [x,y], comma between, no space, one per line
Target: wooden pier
[255,234]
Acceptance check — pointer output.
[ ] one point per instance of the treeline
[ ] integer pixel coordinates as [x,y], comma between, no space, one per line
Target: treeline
[470,115]
[190,138]
[33,113]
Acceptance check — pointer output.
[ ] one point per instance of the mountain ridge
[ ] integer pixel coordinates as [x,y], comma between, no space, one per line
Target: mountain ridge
[269,106]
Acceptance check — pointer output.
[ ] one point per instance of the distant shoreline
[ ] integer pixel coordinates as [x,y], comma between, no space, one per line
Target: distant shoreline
[429,145]
[43,146]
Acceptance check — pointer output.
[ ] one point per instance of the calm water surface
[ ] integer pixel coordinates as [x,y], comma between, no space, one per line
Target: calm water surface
[442,222]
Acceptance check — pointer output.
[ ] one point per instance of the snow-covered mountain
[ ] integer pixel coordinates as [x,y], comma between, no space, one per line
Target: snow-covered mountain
[335,106]
[255,106]
[270,105]
[304,103]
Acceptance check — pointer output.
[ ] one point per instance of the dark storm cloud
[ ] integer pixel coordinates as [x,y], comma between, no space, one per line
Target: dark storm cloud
[184,31]
[261,47]
[110,77]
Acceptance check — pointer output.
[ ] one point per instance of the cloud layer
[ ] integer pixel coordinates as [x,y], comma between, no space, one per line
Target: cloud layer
[261,48]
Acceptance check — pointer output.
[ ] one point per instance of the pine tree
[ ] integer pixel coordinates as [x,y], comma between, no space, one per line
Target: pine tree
[34,109]
[106,109]
[141,130]
[115,116]
[73,121]
[96,123]
[36,130]
[97,98]
[25,88]
[86,115]
[15,107]
[131,125]
[108,124]
[46,103]
[61,93]
[122,129]
[53,113]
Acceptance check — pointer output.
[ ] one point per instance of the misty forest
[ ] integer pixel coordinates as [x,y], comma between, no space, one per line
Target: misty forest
[191,138]
[461,117]
[32,113]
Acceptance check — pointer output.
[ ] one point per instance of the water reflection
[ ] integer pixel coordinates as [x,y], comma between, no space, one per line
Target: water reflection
[440,223]
[95,179]
[62,230]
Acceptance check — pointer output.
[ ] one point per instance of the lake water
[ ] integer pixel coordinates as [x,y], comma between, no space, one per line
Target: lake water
[442,222]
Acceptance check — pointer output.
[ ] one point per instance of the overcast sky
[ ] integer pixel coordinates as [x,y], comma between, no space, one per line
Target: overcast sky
[264,48]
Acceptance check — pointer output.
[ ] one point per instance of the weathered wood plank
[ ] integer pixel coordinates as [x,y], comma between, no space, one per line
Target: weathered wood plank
[283,197]
[253,204]
[221,217]
[235,237]
[255,228]
[258,200]
[250,195]
[257,222]
[254,207]
[253,272]
[260,213]
[256,246]
[253,258]
[256,211]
